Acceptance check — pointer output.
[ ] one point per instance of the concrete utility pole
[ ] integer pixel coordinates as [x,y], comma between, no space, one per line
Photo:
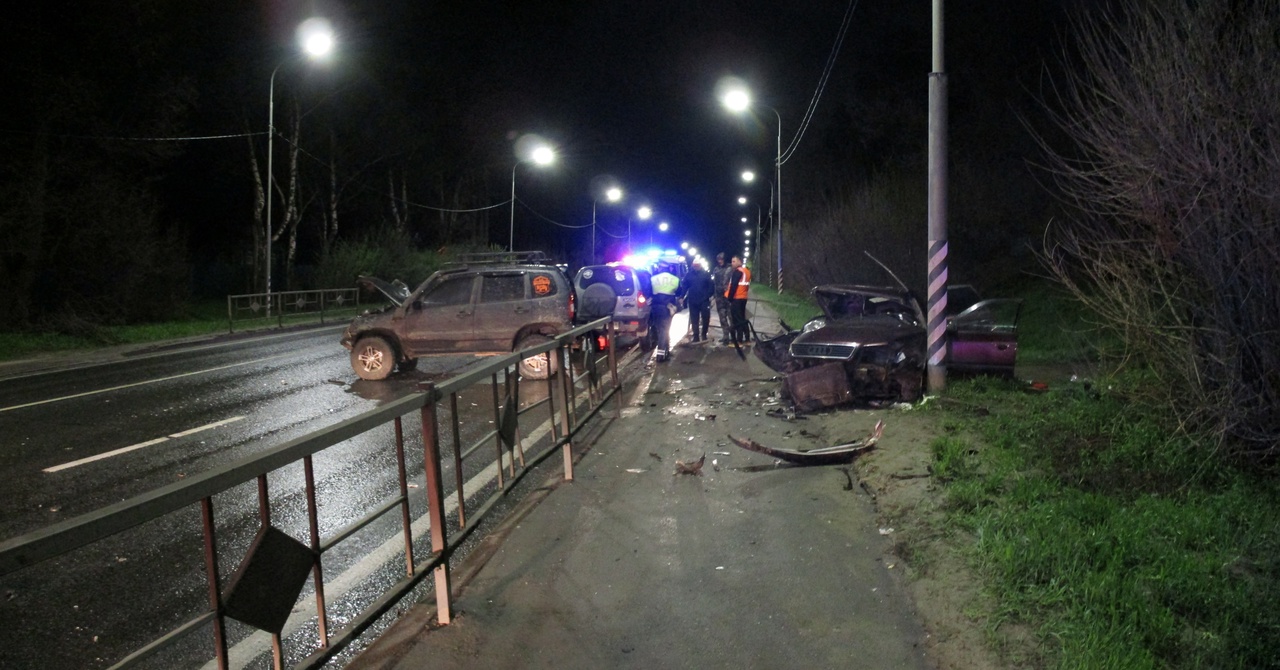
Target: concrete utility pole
[937,326]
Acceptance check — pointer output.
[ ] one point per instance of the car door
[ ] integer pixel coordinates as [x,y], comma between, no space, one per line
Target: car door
[503,307]
[984,338]
[442,319]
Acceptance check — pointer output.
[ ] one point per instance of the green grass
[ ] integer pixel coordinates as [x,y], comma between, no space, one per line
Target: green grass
[794,309]
[1122,546]
[205,318]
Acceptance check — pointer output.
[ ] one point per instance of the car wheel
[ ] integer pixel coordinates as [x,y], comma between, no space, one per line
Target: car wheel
[535,367]
[407,365]
[373,358]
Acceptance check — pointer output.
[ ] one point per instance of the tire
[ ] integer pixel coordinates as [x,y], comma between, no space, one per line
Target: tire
[373,358]
[535,367]
[407,365]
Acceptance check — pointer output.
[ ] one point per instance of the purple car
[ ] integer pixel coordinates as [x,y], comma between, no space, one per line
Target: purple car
[869,344]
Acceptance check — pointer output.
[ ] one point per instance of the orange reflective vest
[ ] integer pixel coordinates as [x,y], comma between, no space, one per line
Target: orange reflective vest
[744,284]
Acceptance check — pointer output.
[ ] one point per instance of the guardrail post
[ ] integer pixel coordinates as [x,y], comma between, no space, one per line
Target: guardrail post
[211,574]
[435,503]
[566,382]
[613,370]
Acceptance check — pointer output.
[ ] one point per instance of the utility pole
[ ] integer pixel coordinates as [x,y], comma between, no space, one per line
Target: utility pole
[937,272]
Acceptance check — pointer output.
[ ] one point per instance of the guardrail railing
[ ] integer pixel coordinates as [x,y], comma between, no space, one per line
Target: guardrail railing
[291,306]
[268,584]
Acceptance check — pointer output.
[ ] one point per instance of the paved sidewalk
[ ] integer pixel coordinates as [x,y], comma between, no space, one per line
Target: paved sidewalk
[751,565]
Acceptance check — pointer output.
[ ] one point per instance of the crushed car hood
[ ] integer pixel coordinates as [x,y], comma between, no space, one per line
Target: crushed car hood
[845,301]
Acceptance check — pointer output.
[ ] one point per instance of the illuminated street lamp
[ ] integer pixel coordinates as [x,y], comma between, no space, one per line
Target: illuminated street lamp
[611,194]
[748,176]
[742,200]
[736,98]
[643,213]
[539,154]
[664,226]
[317,41]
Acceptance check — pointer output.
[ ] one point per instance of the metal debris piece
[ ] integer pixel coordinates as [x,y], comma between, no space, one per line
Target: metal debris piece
[656,456]
[635,471]
[691,468]
[842,453]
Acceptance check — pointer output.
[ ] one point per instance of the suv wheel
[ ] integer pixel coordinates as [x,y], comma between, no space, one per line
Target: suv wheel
[534,367]
[373,358]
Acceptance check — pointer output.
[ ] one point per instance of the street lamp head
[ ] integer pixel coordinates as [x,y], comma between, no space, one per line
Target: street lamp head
[748,176]
[316,37]
[613,194]
[736,100]
[748,233]
[544,155]
[744,219]
[742,200]
[684,245]
[644,212]
[663,226]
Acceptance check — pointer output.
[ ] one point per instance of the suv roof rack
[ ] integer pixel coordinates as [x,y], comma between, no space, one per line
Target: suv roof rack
[500,257]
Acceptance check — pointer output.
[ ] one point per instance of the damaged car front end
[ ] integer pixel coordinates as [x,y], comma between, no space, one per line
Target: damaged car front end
[869,346]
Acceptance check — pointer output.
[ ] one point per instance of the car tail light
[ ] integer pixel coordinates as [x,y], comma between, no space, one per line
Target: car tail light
[602,342]
[641,299]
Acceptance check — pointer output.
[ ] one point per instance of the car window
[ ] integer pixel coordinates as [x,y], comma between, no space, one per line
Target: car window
[543,284]
[452,291]
[617,278]
[502,288]
[646,282]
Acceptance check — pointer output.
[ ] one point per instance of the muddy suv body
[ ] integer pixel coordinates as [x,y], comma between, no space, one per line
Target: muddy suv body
[484,304]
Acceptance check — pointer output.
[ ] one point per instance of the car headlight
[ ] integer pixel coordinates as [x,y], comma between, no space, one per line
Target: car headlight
[813,325]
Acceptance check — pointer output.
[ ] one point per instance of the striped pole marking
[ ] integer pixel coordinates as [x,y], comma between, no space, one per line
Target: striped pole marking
[937,302]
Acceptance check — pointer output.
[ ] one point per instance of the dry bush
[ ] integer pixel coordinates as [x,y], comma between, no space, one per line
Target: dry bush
[1175,117]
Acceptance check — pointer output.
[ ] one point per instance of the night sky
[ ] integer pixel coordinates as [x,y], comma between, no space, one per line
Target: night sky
[429,91]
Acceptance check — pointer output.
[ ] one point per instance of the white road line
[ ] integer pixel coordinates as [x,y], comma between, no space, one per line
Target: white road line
[207,426]
[144,383]
[140,445]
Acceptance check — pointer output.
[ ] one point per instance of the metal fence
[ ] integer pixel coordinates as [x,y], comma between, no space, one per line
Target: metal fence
[271,577]
[291,306]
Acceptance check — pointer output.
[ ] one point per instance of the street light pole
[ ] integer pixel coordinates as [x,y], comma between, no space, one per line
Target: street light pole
[317,40]
[271,136]
[511,234]
[777,163]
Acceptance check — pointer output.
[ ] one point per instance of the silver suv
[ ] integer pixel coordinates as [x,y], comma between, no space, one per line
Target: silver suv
[616,290]
[486,303]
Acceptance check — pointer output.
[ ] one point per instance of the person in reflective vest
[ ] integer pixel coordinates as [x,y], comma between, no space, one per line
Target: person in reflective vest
[666,302]
[739,285]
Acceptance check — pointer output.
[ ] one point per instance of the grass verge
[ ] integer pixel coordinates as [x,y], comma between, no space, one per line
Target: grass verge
[1121,546]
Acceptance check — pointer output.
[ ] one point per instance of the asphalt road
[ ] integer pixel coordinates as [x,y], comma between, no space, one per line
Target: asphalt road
[79,437]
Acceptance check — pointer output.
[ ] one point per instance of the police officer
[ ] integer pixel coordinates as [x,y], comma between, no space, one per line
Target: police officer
[666,302]
[721,274]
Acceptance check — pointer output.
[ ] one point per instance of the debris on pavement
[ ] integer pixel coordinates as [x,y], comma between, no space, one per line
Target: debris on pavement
[635,471]
[656,456]
[690,468]
[842,453]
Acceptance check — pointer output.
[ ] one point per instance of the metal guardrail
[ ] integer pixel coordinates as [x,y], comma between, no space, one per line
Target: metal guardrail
[572,399]
[291,305]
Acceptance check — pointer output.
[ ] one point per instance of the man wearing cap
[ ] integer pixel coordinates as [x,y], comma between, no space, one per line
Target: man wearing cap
[721,274]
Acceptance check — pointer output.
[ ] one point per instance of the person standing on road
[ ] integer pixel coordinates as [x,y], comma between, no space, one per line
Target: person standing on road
[739,285]
[666,302]
[721,276]
[698,288]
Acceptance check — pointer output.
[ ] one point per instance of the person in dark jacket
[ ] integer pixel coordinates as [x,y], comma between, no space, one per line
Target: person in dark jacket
[698,289]
[722,273]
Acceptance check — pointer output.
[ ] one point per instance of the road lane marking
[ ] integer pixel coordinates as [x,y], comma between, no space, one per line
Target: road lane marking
[140,445]
[143,383]
[207,426]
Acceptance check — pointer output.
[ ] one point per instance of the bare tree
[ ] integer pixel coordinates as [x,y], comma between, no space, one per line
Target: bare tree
[1174,172]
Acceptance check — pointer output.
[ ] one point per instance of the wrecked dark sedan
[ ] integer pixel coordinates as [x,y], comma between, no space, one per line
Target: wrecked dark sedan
[869,346]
